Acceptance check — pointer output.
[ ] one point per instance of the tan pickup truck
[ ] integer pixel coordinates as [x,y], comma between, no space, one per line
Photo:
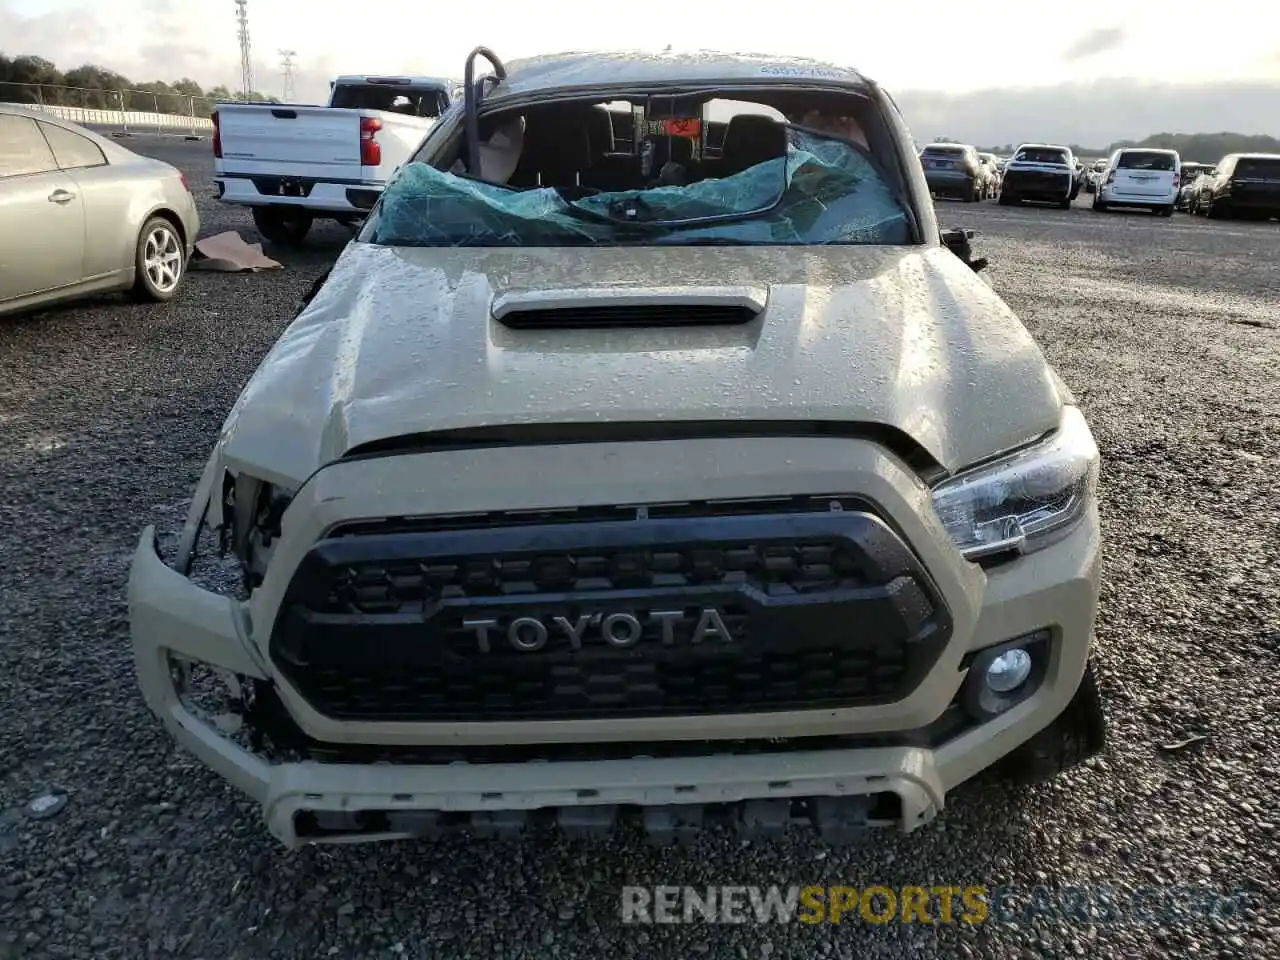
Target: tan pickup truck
[729,493]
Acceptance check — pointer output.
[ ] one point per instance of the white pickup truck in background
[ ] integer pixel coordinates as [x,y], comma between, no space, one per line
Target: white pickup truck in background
[293,163]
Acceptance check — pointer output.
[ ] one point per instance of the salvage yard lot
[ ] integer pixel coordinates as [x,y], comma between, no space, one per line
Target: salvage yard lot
[1168,331]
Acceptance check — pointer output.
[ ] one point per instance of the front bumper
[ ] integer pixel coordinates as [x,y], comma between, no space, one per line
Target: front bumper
[1054,589]
[1035,185]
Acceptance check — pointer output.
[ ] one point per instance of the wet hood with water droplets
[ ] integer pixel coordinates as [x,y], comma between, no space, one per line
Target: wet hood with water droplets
[402,341]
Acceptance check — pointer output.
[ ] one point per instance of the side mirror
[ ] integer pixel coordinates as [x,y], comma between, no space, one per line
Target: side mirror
[957,241]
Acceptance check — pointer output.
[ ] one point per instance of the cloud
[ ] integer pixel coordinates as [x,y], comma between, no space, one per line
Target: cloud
[1086,113]
[1093,115]
[170,61]
[49,35]
[1095,42]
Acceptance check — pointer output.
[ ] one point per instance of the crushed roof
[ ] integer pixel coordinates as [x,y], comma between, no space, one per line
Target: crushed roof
[635,68]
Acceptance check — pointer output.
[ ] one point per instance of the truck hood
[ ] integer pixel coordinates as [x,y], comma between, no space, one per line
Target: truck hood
[402,341]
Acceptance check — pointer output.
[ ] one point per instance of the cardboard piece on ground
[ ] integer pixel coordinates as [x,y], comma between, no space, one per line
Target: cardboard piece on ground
[228,253]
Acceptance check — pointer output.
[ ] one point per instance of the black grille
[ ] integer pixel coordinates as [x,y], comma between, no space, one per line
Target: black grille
[777,568]
[630,315]
[648,617]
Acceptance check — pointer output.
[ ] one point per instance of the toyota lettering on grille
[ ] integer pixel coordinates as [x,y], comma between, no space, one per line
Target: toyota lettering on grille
[622,630]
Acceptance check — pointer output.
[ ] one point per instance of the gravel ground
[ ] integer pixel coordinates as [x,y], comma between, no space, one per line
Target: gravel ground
[1170,335]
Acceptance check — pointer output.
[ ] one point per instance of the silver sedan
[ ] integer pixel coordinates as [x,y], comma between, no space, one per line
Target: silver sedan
[80,214]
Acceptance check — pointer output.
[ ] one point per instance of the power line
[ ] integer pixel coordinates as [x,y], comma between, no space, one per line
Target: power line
[246,65]
[286,63]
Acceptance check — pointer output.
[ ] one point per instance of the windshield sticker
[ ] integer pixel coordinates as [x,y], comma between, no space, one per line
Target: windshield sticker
[804,72]
[682,127]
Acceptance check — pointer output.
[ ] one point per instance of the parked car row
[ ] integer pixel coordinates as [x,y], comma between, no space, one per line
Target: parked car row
[1240,185]
[1146,178]
[1035,172]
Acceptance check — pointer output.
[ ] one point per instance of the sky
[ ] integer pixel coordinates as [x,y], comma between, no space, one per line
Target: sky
[1128,69]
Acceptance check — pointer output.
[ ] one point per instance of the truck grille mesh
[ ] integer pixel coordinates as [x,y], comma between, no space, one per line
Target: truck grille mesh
[779,569]
[564,684]
[383,626]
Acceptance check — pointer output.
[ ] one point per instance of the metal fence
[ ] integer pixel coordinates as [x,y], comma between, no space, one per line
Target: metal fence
[124,110]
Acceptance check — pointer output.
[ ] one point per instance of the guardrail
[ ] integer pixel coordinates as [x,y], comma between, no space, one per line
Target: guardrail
[115,111]
[126,121]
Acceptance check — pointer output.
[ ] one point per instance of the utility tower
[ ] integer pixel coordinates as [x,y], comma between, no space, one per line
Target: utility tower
[246,65]
[286,63]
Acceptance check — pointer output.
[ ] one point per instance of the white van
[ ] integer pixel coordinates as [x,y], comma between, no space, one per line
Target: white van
[1140,177]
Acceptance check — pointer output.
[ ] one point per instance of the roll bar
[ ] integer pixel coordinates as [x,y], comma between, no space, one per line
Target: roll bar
[473,93]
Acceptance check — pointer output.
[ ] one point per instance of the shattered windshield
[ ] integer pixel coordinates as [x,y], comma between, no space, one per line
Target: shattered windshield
[823,190]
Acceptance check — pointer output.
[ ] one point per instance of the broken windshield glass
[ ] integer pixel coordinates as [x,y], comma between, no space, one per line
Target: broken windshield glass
[824,190]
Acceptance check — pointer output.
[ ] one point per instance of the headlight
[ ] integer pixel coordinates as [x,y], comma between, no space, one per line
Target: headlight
[1018,501]
[251,516]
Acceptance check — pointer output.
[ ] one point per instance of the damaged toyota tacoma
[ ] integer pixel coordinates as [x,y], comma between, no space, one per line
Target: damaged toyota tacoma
[651,455]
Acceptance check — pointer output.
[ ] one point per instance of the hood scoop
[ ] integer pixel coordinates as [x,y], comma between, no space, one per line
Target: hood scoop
[628,308]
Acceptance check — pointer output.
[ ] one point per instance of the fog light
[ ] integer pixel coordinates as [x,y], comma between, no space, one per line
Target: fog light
[1002,676]
[1009,671]
[211,694]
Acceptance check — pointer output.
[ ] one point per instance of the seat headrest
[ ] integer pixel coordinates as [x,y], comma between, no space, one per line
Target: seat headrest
[671,149]
[750,139]
[681,149]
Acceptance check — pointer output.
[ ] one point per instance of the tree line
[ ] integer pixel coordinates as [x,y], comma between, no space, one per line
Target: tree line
[31,79]
[1191,147]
